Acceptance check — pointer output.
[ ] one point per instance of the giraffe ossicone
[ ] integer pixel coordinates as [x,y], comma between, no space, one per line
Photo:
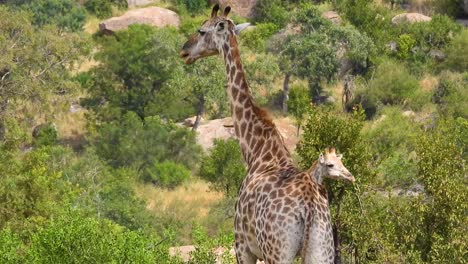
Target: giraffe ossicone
[281,212]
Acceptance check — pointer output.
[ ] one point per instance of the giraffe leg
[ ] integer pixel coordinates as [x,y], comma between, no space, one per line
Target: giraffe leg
[243,254]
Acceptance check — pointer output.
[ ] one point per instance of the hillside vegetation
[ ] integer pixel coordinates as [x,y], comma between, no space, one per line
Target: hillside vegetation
[97,168]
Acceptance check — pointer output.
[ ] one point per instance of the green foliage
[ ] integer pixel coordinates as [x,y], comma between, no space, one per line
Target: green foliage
[30,190]
[224,167]
[101,8]
[36,66]
[392,85]
[262,70]
[405,44]
[193,6]
[66,14]
[139,144]
[46,135]
[298,103]
[256,39]
[73,238]
[271,11]
[204,246]
[451,94]
[130,78]
[11,247]
[442,171]
[457,58]
[449,7]
[167,174]
[326,127]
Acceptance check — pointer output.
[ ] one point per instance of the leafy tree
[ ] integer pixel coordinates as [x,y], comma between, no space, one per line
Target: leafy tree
[167,174]
[450,95]
[131,142]
[35,65]
[457,60]
[256,39]
[66,14]
[73,238]
[271,11]
[224,167]
[11,247]
[193,6]
[298,104]
[136,66]
[442,171]
[101,8]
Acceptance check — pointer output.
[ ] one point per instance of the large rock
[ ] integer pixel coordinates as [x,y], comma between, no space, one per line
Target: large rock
[133,3]
[153,16]
[332,16]
[410,18]
[243,8]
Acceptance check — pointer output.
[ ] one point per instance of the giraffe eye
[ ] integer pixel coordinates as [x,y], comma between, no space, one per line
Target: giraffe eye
[330,165]
[201,32]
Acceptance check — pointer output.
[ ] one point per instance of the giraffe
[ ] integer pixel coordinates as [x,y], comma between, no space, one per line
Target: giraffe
[281,212]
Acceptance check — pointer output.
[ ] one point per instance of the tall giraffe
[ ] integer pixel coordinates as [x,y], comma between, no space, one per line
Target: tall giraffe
[281,212]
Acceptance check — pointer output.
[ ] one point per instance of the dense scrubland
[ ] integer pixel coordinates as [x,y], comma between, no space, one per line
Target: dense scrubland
[95,169]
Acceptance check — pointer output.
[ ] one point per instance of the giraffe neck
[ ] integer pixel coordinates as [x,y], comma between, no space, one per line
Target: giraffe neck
[318,174]
[261,144]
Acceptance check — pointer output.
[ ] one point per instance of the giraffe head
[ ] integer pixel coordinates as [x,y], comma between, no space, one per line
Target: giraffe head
[332,167]
[211,36]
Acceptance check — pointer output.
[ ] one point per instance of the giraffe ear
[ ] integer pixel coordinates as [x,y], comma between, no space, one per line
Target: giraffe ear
[214,11]
[240,27]
[226,11]
[321,158]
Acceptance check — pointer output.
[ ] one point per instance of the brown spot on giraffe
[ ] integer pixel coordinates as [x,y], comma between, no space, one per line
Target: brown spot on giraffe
[281,212]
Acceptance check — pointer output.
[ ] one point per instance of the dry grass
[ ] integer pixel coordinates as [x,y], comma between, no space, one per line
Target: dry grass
[428,83]
[92,25]
[187,204]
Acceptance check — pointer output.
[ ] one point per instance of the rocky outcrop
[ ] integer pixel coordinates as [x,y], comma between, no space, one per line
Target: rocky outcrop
[332,16]
[223,128]
[153,16]
[243,8]
[410,18]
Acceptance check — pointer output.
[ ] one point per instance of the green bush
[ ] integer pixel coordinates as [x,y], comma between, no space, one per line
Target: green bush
[256,39]
[101,8]
[66,14]
[405,44]
[435,34]
[224,167]
[76,239]
[11,247]
[193,6]
[166,174]
[298,103]
[451,94]
[457,53]
[449,7]
[392,85]
[132,142]
[271,11]
[45,135]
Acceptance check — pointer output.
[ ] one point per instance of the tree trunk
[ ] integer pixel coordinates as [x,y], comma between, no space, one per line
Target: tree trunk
[286,93]
[200,111]
[3,107]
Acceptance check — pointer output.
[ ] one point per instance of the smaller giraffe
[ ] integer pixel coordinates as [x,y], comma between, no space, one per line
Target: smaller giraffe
[329,166]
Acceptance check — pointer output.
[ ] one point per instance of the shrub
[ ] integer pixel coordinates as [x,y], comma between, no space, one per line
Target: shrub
[73,238]
[67,14]
[392,85]
[132,142]
[193,6]
[405,44]
[256,39]
[167,174]
[271,11]
[451,95]
[11,247]
[224,167]
[101,8]
[45,135]
[449,7]
[457,53]
[298,103]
